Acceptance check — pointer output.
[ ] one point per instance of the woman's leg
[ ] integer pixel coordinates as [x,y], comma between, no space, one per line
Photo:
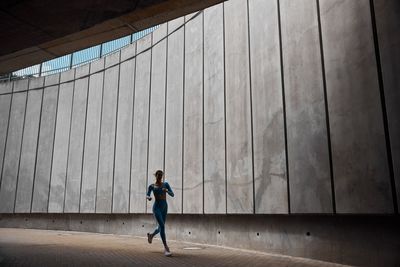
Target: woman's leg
[158,214]
[156,231]
[164,217]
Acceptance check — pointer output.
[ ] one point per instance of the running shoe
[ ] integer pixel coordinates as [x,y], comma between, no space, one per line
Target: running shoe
[149,238]
[167,253]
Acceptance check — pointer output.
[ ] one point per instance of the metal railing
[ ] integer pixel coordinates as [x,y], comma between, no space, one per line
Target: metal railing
[75,59]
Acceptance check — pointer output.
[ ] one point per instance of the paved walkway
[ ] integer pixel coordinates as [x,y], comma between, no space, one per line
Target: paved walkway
[26,247]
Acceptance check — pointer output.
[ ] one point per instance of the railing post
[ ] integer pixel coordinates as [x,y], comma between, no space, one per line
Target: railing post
[40,69]
[101,50]
[70,62]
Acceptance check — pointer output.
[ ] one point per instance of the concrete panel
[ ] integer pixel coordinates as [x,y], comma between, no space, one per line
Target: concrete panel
[174,116]
[193,118]
[20,85]
[157,111]
[190,16]
[45,150]
[360,164]
[270,177]
[175,24]
[387,14]
[143,43]
[160,33]
[5,102]
[122,171]
[107,137]
[128,52]
[52,79]
[76,143]
[140,128]
[112,59]
[35,83]
[214,112]
[92,137]
[6,87]
[28,152]
[97,65]
[12,153]
[67,76]
[61,144]
[82,71]
[308,154]
[238,109]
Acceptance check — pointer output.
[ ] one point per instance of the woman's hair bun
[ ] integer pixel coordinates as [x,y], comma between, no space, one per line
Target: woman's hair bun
[159,174]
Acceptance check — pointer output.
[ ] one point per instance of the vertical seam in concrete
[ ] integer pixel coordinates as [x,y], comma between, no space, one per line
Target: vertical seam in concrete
[5,141]
[383,104]
[148,122]
[202,107]
[20,149]
[69,141]
[37,149]
[183,110]
[226,171]
[84,139]
[54,138]
[133,120]
[101,119]
[251,107]
[165,97]
[328,128]
[115,133]
[283,102]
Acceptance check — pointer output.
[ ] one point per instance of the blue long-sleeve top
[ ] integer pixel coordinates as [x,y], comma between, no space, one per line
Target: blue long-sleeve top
[158,192]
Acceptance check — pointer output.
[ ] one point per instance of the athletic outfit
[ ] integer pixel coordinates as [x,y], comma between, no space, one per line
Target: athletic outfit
[160,207]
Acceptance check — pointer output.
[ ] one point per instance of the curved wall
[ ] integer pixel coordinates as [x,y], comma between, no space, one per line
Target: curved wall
[258,107]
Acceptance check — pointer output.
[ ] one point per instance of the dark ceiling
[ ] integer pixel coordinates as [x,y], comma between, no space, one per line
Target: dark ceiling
[33,31]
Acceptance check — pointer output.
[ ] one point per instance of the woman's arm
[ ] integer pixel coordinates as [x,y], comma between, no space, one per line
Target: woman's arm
[149,192]
[169,190]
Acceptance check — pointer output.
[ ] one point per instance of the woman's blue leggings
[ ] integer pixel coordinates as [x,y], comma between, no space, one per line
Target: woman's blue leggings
[160,209]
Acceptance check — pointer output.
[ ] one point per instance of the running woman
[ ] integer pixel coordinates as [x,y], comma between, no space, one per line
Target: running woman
[160,208]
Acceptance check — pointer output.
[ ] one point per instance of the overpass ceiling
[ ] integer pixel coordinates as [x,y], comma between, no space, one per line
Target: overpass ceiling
[33,31]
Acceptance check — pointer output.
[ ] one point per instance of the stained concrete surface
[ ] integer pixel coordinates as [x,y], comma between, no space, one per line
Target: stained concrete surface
[252,74]
[193,118]
[387,14]
[11,158]
[157,107]
[28,152]
[27,247]
[92,138]
[214,112]
[174,113]
[122,170]
[238,109]
[45,149]
[76,142]
[270,177]
[359,157]
[307,138]
[60,150]
[140,126]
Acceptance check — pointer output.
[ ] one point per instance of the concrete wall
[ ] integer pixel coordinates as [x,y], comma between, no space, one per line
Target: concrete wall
[250,107]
